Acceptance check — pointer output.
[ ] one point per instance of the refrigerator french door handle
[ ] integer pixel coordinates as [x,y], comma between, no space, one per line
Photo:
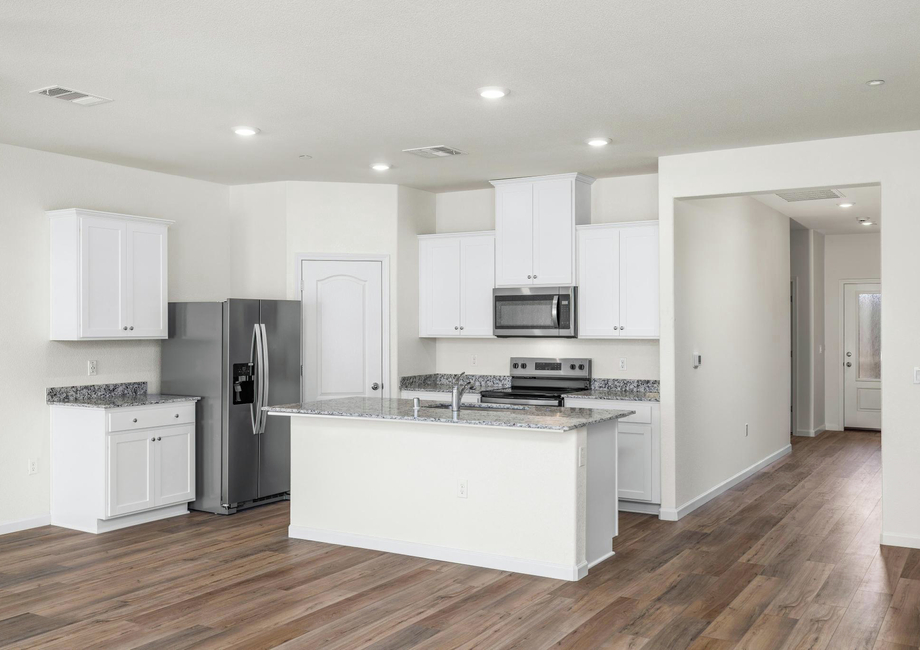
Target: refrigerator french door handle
[265,378]
[256,356]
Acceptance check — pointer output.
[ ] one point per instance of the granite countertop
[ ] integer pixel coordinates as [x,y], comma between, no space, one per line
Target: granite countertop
[110,396]
[618,395]
[530,417]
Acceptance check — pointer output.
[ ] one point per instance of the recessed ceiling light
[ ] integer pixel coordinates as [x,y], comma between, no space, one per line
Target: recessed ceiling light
[867,223]
[245,130]
[845,205]
[598,142]
[380,167]
[493,92]
[875,82]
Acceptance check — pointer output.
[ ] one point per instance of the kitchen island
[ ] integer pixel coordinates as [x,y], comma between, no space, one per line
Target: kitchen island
[525,489]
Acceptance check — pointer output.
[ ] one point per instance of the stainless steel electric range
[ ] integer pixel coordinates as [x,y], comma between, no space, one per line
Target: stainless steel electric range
[540,381]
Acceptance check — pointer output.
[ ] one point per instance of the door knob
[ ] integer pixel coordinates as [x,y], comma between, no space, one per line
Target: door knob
[125,328]
[849,354]
[529,277]
[375,386]
[849,365]
[131,328]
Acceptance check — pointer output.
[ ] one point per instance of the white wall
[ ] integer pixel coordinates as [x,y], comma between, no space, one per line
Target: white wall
[415,216]
[800,258]
[626,198]
[817,328]
[258,241]
[32,182]
[893,161]
[731,257]
[847,257]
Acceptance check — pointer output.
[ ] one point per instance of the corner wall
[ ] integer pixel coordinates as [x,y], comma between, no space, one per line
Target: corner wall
[891,160]
[32,182]
[731,257]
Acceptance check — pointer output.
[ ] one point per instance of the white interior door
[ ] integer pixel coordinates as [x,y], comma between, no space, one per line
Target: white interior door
[146,295]
[862,362]
[342,329]
[102,277]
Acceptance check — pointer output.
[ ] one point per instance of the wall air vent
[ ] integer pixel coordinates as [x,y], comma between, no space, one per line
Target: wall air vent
[72,96]
[809,195]
[437,151]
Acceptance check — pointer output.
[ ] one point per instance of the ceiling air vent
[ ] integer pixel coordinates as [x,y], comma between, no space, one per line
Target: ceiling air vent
[72,96]
[809,195]
[437,151]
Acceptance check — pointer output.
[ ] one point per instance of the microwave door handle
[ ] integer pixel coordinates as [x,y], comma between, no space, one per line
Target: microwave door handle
[556,311]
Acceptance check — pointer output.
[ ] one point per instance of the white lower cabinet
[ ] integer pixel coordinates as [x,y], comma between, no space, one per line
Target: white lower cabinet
[638,452]
[107,473]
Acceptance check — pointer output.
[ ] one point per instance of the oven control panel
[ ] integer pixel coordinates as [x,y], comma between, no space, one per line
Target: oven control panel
[549,367]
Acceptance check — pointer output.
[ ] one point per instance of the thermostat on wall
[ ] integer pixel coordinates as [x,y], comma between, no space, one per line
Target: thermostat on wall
[697,360]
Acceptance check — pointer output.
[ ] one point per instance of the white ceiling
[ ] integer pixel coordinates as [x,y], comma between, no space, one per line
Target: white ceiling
[826,216]
[352,82]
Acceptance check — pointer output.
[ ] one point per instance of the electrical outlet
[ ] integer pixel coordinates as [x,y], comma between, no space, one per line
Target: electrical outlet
[473,359]
[622,363]
[33,466]
[582,456]
[91,368]
[747,430]
[462,488]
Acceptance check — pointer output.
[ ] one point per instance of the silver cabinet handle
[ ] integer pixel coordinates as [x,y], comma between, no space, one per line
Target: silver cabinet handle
[616,327]
[456,328]
[131,328]
[153,440]
[529,277]
[534,276]
[125,328]
[159,438]
[461,327]
[134,420]
[375,386]
[177,415]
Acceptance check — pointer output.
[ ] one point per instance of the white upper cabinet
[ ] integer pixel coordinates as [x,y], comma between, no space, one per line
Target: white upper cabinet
[456,278]
[618,280]
[108,275]
[535,221]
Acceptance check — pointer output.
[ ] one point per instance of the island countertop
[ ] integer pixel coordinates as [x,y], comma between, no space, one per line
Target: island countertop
[485,415]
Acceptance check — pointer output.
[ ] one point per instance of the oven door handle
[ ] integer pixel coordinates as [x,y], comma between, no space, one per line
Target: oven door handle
[556,311]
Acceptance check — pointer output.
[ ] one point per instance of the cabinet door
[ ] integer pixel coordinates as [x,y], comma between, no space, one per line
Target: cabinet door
[439,287]
[639,281]
[598,282]
[175,465]
[146,280]
[514,234]
[103,288]
[634,461]
[477,279]
[553,233]
[130,472]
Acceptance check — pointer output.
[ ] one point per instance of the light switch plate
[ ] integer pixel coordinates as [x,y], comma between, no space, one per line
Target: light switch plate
[91,368]
[917,375]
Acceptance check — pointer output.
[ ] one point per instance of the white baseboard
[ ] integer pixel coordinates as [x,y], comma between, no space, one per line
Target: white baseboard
[24,524]
[598,561]
[907,541]
[808,433]
[833,427]
[639,507]
[669,514]
[444,553]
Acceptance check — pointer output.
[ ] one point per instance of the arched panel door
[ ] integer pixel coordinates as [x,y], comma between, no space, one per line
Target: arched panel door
[342,329]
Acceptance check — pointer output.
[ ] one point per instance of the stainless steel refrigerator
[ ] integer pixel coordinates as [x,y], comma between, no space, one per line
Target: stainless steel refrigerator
[238,355]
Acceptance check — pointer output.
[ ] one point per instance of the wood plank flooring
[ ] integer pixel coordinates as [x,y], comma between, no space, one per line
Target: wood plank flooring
[788,559]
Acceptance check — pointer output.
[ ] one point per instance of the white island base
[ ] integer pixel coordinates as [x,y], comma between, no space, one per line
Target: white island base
[535,501]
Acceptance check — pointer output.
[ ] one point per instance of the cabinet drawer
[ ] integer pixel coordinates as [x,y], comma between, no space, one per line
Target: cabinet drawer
[169,414]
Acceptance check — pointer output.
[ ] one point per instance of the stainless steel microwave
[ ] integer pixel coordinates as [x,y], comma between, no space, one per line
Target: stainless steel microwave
[535,311]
